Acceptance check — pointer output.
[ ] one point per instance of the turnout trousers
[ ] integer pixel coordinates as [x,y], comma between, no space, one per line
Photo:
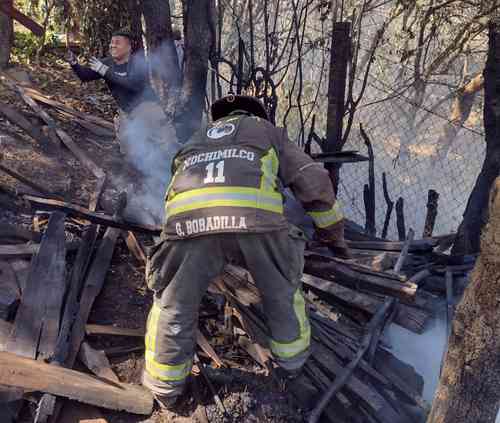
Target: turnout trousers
[179,272]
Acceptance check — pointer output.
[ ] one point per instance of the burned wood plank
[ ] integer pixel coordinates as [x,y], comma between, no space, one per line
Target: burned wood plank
[38,376]
[369,191]
[18,231]
[96,195]
[38,96]
[416,246]
[390,206]
[400,218]
[134,246]
[76,412]
[10,293]
[16,118]
[77,277]
[432,211]
[92,329]
[342,378]
[37,321]
[97,362]
[28,250]
[408,317]
[26,181]
[345,274]
[404,252]
[74,210]
[65,138]
[93,285]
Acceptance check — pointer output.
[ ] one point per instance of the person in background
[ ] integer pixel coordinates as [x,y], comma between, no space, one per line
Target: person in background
[140,117]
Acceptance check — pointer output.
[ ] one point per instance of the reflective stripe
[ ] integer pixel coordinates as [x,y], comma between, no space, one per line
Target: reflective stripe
[224,197]
[327,218]
[291,349]
[167,372]
[269,168]
[159,371]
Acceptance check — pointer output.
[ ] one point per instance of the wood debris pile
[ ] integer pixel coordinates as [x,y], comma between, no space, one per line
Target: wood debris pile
[45,305]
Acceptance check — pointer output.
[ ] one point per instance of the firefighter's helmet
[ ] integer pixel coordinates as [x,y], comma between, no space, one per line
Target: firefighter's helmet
[231,102]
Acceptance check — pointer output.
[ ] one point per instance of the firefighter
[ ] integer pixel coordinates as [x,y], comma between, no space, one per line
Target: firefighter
[224,202]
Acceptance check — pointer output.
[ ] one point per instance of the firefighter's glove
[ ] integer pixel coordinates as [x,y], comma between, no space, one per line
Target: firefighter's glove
[97,66]
[333,238]
[71,58]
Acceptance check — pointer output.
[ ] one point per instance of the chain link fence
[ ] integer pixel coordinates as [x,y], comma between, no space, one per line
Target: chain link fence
[408,147]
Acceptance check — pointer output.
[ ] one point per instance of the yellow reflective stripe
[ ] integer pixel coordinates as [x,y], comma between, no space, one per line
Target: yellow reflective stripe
[327,218]
[166,372]
[224,197]
[269,170]
[291,349]
[152,328]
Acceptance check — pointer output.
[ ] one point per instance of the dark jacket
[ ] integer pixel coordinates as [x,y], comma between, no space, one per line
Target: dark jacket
[128,82]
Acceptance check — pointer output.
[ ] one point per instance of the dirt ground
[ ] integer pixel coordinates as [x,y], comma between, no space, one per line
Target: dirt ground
[125,300]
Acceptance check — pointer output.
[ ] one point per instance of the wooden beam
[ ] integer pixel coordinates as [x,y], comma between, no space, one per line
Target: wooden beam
[97,362]
[408,317]
[28,250]
[33,375]
[24,20]
[357,277]
[74,210]
[37,321]
[18,231]
[13,116]
[40,97]
[93,285]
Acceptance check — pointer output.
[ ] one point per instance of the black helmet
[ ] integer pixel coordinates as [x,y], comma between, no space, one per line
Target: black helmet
[225,105]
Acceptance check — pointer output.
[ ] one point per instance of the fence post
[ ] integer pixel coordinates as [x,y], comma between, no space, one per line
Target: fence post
[339,58]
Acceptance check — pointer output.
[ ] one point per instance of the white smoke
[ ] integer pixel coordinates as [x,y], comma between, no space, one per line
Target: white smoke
[150,148]
[424,352]
[149,143]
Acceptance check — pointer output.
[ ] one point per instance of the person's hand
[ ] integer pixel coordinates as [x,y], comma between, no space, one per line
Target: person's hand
[97,66]
[71,58]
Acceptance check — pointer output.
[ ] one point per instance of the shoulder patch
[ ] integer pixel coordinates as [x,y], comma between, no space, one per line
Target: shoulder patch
[219,131]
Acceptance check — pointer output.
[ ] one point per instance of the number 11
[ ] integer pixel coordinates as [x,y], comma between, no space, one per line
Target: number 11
[220,178]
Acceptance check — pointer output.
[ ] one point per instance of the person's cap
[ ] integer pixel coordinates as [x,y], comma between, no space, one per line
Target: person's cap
[231,102]
[123,33]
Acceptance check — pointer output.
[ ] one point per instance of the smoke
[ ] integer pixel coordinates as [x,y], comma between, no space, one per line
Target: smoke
[425,351]
[149,144]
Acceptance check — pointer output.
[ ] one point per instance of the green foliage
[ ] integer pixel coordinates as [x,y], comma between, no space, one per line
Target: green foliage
[26,45]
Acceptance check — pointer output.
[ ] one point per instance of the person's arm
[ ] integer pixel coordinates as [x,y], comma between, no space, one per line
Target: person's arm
[311,184]
[84,73]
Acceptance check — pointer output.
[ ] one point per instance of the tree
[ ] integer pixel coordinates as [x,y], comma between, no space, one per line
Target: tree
[6,35]
[469,389]
[476,212]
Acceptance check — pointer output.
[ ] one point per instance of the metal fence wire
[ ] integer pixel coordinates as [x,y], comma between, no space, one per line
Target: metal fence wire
[408,147]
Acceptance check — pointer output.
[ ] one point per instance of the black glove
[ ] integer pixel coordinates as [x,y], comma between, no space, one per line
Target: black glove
[333,238]
[71,58]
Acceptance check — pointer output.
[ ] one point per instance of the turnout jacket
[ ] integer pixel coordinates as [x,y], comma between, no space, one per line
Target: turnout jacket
[229,178]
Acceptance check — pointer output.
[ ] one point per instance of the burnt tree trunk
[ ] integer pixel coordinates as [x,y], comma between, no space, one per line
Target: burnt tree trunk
[476,212]
[469,389]
[162,55]
[6,35]
[199,36]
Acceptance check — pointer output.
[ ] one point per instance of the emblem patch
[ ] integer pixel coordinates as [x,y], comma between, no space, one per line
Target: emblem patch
[218,132]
